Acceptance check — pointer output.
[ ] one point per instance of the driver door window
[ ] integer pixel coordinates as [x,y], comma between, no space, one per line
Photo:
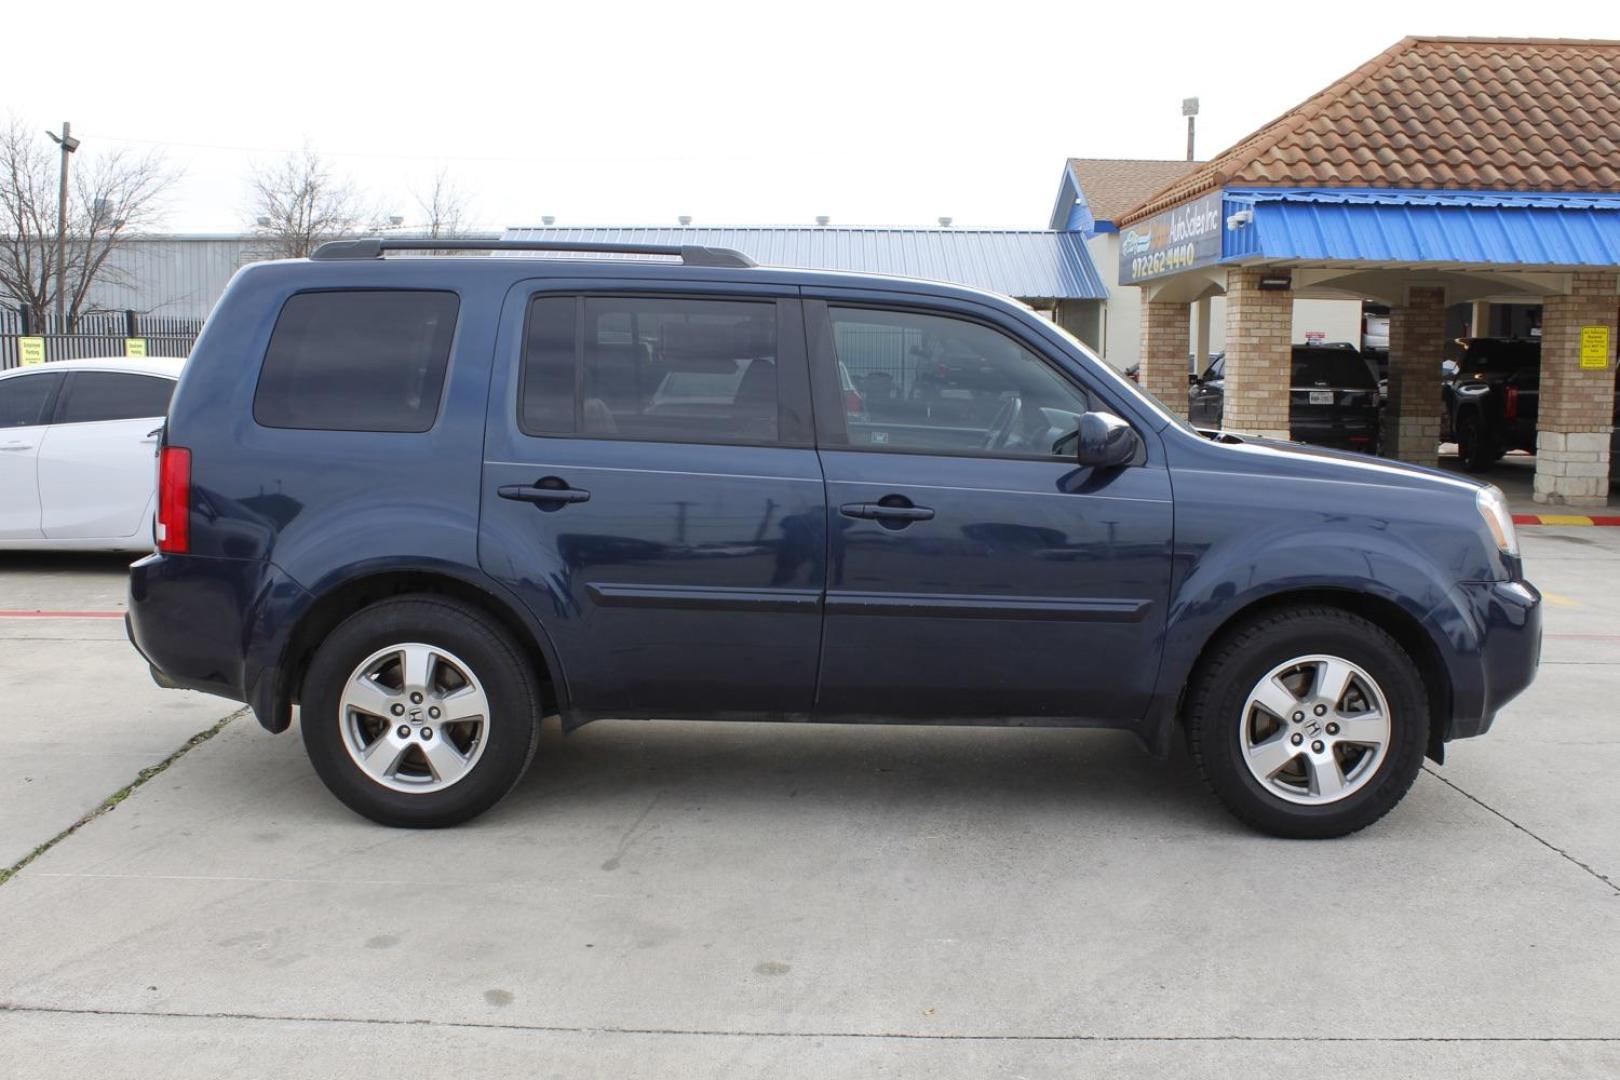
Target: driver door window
[916,382]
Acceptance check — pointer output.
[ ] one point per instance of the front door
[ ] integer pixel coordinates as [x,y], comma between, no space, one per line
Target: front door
[976,571]
[652,492]
[97,464]
[25,406]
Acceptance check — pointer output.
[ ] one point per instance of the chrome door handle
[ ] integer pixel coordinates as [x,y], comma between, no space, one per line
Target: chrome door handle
[17,446]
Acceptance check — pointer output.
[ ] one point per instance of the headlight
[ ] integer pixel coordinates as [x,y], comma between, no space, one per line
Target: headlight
[1493,508]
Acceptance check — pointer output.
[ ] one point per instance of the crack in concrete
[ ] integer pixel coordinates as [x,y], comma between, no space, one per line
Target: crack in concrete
[1555,849]
[581,1029]
[111,801]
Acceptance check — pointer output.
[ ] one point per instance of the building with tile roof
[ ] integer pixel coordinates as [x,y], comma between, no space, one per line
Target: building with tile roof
[1443,172]
[1092,195]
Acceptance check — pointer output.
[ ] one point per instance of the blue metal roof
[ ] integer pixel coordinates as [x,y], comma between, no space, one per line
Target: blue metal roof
[1486,228]
[1032,264]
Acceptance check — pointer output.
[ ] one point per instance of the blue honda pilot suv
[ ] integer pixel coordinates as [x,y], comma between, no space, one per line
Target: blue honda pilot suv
[431,499]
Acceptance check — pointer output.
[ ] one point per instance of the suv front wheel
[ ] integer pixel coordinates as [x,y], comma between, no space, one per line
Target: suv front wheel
[419,711]
[1308,722]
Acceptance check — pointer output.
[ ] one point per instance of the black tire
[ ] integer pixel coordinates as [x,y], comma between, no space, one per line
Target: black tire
[1239,661]
[1474,448]
[510,685]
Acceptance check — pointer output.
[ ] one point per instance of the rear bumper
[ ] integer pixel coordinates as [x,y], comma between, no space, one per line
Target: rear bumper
[206,623]
[1507,620]
[1347,434]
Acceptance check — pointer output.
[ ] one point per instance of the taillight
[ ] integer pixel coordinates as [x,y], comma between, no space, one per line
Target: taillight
[854,404]
[174,500]
[1510,408]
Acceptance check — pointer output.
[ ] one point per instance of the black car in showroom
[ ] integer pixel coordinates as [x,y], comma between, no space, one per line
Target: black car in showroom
[1492,400]
[1333,397]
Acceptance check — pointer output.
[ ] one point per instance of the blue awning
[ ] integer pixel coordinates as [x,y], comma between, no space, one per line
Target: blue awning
[1413,228]
[1031,264]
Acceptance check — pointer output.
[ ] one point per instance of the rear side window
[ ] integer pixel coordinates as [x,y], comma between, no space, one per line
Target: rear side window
[1332,367]
[110,395]
[357,361]
[677,370]
[23,399]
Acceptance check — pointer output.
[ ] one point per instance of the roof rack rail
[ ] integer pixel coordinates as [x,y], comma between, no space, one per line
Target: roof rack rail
[372,247]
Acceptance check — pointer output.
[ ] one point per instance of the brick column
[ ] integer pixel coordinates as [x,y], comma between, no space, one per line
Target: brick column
[1166,332]
[1417,342]
[1577,406]
[1259,329]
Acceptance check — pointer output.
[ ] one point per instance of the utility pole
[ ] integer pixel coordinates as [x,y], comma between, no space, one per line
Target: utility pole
[1189,109]
[68,144]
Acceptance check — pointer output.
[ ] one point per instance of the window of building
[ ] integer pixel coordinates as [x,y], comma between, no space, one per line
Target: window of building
[357,361]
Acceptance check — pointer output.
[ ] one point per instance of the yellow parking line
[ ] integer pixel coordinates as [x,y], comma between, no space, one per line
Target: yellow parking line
[1561,601]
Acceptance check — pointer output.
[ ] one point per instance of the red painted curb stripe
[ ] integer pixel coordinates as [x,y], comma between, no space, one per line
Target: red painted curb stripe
[61,614]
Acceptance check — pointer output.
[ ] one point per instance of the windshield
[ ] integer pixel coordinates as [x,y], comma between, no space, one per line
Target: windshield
[1119,381]
[1498,357]
[1332,367]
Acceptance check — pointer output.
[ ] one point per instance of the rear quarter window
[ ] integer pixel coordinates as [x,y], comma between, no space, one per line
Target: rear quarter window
[371,360]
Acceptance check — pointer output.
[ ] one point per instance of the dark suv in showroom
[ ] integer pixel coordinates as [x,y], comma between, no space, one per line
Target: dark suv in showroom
[1492,399]
[1333,397]
[426,501]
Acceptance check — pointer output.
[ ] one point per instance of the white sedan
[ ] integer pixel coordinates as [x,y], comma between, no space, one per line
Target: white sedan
[78,439]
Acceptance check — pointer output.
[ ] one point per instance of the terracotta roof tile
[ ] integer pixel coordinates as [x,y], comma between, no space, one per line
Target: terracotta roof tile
[1437,112]
[1114,185]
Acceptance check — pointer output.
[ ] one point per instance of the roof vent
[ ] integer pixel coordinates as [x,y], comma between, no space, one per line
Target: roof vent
[944,222]
[548,220]
[685,219]
[822,219]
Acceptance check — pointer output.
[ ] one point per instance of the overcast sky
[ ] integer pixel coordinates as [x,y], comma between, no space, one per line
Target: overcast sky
[628,113]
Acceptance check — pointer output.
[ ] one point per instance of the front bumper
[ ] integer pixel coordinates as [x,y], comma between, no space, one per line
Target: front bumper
[1507,623]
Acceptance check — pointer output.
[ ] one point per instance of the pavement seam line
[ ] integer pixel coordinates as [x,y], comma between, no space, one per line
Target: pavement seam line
[581,1029]
[111,802]
[1560,852]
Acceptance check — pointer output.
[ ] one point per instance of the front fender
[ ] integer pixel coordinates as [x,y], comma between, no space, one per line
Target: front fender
[1227,581]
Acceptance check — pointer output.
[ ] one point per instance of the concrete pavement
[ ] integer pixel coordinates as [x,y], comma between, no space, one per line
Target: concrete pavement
[744,900]
[83,716]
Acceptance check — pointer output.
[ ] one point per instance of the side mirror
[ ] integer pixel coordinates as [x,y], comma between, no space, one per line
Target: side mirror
[1104,441]
[1449,368]
[1194,379]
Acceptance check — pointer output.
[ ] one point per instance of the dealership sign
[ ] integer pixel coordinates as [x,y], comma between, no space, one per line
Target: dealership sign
[1170,242]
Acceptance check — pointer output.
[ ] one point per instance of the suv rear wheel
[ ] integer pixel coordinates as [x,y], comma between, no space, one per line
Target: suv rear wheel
[1309,722]
[419,711]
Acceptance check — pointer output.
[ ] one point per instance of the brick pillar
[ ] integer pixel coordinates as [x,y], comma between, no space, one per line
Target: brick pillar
[1577,405]
[1417,342]
[1259,329]
[1166,331]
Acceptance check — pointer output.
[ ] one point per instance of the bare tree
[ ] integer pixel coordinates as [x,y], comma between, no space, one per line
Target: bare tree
[114,196]
[443,205]
[298,203]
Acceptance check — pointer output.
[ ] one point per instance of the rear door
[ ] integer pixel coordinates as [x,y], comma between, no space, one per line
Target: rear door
[976,571]
[652,492]
[96,463]
[26,401]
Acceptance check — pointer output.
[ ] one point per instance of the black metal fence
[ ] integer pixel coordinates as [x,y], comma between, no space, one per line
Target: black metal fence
[106,333]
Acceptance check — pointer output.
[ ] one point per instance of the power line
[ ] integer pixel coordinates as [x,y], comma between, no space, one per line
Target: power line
[625,159]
